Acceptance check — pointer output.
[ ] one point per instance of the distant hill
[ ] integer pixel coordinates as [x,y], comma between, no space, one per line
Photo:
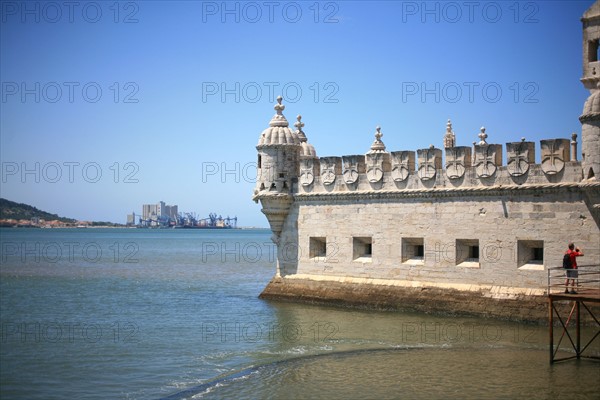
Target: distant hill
[11,210]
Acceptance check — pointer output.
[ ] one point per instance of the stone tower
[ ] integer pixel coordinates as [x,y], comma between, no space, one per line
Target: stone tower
[279,151]
[590,118]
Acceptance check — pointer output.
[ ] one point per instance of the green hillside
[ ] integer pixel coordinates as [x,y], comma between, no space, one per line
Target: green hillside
[11,210]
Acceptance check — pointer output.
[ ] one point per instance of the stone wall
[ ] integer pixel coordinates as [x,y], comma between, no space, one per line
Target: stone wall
[504,223]
[386,296]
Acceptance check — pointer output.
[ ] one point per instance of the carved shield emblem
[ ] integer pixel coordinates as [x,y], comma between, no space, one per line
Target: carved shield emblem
[485,164]
[374,167]
[552,156]
[327,171]
[455,162]
[350,170]
[307,176]
[427,164]
[518,158]
[401,167]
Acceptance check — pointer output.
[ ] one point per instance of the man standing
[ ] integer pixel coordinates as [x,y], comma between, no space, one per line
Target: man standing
[572,273]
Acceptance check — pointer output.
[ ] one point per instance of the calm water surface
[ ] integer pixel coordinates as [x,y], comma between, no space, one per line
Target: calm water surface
[138,314]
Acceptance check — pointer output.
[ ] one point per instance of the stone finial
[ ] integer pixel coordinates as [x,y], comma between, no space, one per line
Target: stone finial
[279,107]
[377,146]
[299,125]
[279,119]
[573,146]
[482,135]
[449,137]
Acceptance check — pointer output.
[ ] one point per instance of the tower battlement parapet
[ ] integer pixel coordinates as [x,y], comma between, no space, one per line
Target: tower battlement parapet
[459,166]
[288,163]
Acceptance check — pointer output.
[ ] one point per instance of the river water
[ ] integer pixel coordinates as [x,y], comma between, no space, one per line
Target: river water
[151,314]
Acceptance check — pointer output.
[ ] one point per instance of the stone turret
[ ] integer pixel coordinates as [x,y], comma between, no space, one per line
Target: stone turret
[591,36]
[590,118]
[279,150]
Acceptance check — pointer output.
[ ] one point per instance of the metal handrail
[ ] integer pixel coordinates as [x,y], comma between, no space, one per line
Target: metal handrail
[587,281]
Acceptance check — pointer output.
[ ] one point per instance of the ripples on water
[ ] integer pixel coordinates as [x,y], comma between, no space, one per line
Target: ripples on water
[184,321]
[409,373]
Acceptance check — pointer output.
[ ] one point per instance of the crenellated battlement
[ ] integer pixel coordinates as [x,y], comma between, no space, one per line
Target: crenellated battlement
[454,167]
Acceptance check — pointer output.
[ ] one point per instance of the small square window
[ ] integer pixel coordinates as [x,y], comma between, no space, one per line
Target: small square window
[593,50]
[317,247]
[413,251]
[474,252]
[538,254]
[467,253]
[362,249]
[530,254]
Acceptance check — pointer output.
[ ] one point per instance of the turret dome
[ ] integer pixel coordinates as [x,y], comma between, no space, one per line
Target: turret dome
[591,108]
[278,132]
[592,104]
[308,150]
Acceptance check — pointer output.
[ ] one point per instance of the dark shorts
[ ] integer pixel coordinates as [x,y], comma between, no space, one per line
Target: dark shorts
[572,273]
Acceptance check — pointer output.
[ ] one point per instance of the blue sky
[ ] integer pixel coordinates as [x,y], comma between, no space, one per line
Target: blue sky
[113,105]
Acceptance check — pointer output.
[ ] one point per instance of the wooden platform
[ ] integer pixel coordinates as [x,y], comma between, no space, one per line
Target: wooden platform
[579,301]
[581,295]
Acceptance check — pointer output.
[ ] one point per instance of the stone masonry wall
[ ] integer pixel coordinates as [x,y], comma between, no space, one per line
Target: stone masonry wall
[504,223]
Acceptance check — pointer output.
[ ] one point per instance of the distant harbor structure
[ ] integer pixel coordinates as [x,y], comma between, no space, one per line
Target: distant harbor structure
[447,229]
[161,215]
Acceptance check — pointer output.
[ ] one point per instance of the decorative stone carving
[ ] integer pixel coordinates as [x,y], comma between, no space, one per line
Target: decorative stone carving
[299,125]
[376,158]
[430,160]
[353,166]
[276,209]
[307,175]
[308,150]
[482,136]
[377,146]
[519,156]
[487,159]
[403,164]
[376,166]
[458,159]
[330,167]
[573,146]
[554,154]
[449,137]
